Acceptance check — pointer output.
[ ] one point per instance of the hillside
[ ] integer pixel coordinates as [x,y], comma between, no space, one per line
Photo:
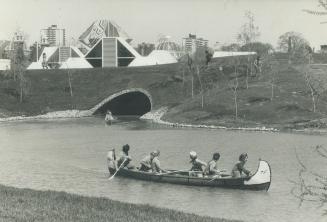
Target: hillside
[288,105]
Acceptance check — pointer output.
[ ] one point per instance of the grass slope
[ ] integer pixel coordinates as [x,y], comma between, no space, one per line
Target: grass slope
[170,85]
[289,107]
[29,205]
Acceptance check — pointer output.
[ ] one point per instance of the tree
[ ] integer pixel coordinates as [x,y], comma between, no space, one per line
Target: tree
[195,65]
[274,70]
[311,185]
[34,54]
[234,47]
[234,87]
[295,45]
[292,42]
[18,69]
[323,4]
[249,31]
[200,62]
[234,84]
[145,48]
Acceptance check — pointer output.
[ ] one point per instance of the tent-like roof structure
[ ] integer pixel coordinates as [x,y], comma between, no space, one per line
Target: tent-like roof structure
[168,45]
[164,43]
[100,29]
[218,54]
[59,55]
[156,57]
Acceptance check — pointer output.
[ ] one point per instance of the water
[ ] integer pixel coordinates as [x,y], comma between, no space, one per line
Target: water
[70,155]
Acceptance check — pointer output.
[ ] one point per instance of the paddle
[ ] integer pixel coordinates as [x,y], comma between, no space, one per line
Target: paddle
[173,171]
[219,176]
[121,165]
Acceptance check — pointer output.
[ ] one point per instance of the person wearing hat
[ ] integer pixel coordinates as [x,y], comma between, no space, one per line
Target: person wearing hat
[239,169]
[146,162]
[197,165]
[125,158]
[212,167]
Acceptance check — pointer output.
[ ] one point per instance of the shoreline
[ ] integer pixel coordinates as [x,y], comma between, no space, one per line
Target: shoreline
[24,204]
[156,117]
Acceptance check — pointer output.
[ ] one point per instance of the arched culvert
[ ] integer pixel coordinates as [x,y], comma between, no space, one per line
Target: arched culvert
[128,102]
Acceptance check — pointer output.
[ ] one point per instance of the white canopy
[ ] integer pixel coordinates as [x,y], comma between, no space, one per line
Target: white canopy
[218,54]
[156,57]
[75,63]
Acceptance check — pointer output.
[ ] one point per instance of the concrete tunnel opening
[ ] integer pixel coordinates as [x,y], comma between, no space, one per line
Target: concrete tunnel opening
[128,104]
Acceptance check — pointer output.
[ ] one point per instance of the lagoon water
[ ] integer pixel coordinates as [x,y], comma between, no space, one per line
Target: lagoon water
[70,155]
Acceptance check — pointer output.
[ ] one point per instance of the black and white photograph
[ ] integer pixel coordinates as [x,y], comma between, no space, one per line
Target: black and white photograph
[163,110]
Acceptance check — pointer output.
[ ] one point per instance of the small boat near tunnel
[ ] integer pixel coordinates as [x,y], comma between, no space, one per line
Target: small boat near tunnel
[258,181]
[109,119]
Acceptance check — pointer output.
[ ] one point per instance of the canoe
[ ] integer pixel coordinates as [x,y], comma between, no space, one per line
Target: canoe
[109,118]
[259,181]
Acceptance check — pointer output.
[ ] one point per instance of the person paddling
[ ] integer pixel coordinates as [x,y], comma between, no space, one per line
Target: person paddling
[239,169]
[125,158]
[197,165]
[155,164]
[212,167]
[146,162]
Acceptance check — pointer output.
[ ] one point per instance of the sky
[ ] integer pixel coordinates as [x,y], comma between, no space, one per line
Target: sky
[144,20]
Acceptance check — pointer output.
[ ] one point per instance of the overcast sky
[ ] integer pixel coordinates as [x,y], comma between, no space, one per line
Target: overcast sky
[144,20]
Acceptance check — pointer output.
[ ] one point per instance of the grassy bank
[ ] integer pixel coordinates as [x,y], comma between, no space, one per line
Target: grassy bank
[278,97]
[29,205]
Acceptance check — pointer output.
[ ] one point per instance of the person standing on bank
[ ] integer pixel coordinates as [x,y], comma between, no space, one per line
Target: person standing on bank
[239,169]
[197,165]
[125,158]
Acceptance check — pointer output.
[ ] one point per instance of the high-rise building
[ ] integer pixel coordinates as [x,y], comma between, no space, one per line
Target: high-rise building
[191,43]
[53,36]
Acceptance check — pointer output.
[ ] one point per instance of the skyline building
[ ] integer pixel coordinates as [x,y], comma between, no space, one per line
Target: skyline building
[192,43]
[53,36]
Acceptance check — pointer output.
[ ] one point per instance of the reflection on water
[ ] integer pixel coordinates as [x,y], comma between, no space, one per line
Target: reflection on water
[69,155]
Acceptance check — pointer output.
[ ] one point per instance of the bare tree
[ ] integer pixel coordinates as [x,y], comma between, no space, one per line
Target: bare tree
[273,72]
[313,92]
[249,31]
[197,66]
[234,87]
[18,68]
[322,4]
[69,74]
[272,84]
[311,186]
[248,72]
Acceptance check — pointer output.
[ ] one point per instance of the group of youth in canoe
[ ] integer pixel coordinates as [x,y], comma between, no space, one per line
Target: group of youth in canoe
[200,173]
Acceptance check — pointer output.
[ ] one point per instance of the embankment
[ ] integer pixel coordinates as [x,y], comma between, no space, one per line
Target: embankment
[30,205]
[221,94]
